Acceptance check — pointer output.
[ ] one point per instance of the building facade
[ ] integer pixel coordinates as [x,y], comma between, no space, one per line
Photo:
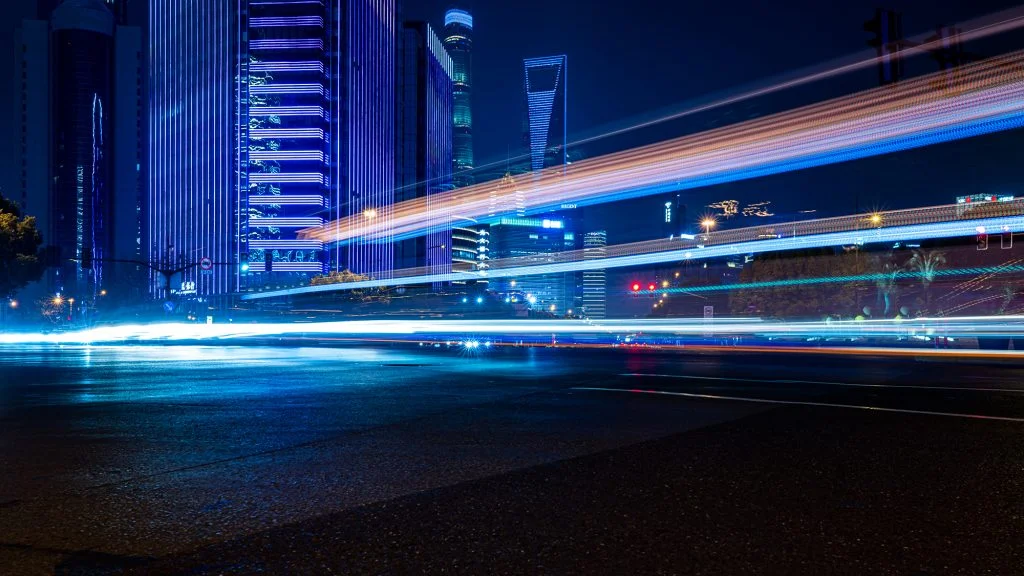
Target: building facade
[595,282]
[458,41]
[79,110]
[285,113]
[546,101]
[533,239]
[425,150]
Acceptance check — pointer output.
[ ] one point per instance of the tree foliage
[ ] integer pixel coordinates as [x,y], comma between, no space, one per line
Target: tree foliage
[20,260]
[813,300]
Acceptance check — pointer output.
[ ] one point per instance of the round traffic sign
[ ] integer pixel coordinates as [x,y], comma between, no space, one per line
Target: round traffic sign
[206,263]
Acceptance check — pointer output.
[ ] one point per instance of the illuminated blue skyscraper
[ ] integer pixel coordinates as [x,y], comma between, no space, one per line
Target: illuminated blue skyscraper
[197,191]
[546,130]
[270,117]
[458,41]
[425,151]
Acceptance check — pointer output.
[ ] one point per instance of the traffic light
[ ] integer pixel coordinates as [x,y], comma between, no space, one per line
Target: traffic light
[887,29]
[650,289]
[982,241]
[268,261]
[635,287]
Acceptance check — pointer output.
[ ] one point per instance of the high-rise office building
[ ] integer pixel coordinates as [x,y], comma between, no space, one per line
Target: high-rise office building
[425,142]
[595,247]
[458,41]
[546,101]
[533,239]
[79,104]
[269,118]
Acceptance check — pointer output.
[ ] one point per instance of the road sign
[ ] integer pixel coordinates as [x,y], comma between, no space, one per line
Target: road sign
[169,306]
[709,312]
[206,263]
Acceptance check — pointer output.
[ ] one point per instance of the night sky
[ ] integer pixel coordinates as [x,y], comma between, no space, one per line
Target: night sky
[634,60]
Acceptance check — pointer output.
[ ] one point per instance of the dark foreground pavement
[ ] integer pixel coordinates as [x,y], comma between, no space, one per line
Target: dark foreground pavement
[505,465]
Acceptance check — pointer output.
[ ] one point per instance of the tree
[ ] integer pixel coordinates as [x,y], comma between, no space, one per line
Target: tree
[800,284]
[888,272]
[20,261]
[926,264]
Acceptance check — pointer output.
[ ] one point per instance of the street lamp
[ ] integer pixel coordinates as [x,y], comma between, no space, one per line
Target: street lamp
[13,303]
[876,219]
[57,300]
[708,224]
[103,292]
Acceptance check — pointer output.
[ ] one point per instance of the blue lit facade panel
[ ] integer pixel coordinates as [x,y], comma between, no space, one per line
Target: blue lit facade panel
[546,130]
[365,91]
[425,151]
[194,193]
[287,123]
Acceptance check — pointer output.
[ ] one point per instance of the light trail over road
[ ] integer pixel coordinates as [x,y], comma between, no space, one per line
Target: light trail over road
[976,99]
[949,221]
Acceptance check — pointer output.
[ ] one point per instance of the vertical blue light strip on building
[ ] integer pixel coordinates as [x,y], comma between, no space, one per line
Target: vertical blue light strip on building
[439,110]
[193,193]
[370,167]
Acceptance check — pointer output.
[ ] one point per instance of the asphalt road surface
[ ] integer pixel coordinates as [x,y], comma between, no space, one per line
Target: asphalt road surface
[396,460]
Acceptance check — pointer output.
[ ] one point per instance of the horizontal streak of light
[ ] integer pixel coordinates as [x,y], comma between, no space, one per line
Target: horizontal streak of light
[285,21]
[283,155]
[275,133]
[992,24]
[801,403]
[900,275]
[977,99]
[288,267]
[286,111]
[285,222]
[287,89]
[307,66]
[288,200]
[287,44]
[283,177]
[662,252]
[287,244]
[993,326]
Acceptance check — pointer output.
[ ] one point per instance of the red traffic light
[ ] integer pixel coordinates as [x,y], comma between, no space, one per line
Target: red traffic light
[651,286]
[636,286]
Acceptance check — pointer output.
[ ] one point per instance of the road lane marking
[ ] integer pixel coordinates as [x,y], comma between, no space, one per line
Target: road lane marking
[800,403]
[825,383]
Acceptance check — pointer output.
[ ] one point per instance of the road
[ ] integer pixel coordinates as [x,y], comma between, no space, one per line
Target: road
[210,460]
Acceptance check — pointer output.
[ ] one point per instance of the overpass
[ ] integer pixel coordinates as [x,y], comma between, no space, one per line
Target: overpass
[946,221]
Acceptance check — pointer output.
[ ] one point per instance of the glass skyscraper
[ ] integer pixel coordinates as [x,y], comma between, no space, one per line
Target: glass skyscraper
[270,118]
[425,153]
[78,105]
[546,90]
[458,41]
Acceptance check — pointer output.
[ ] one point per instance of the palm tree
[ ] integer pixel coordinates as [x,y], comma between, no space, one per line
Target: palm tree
[926,264]
[886,282]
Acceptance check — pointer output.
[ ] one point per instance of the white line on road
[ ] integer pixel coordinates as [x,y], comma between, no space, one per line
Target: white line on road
[801,403]
[822,383]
